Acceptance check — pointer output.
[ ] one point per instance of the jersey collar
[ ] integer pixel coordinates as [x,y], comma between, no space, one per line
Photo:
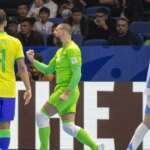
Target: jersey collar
[65,45]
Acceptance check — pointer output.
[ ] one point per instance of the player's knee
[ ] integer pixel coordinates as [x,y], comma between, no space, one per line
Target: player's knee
[71,129]
[42,120]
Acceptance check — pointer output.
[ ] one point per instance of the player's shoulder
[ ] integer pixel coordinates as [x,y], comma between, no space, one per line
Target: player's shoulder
[13,39]
[74,47]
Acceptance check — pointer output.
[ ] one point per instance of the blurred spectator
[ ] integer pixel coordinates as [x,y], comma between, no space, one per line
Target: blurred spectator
[34,10]
[79,4]
[123,36]
[35,75]
[51,40]
[52,6]
[102,26]
[22,11]
[78,22]
[27,36]
[134,9]
[38,4]
[147,5]
[91,2]
[101,2]
[147,10]
[65,9]
[43,26]
[12,27]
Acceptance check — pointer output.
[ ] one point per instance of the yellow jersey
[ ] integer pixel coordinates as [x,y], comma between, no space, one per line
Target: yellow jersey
[10,50]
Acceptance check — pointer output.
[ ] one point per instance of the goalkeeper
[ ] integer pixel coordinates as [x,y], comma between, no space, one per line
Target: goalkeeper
[67,65]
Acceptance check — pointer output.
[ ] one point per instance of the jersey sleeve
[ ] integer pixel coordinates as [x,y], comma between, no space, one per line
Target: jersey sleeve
[45,69]
[74,56]
[19,50]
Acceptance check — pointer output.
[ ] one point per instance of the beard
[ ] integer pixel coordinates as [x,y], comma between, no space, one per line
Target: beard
[57,41]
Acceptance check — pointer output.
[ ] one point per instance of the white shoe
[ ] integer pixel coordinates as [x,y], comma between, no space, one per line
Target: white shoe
[101,147]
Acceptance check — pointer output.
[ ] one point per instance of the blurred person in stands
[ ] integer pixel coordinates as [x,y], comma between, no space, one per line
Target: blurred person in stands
[102,26]
[27,36]
[78,22]
[12,27]
[81,4]
[90,2]
[35,7]
[123,36]
[52,6]
[38,4]
[147,4]
[51,39]
[134,9]
[44,26]
[11,51]
[22,11]
[147,10]
[65,9]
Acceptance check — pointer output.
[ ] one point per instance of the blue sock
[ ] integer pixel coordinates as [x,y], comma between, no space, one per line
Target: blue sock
[4,143]
[4,139]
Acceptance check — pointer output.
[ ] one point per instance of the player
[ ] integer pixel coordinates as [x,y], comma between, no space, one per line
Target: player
[143,128]
[67,66]
[10,51]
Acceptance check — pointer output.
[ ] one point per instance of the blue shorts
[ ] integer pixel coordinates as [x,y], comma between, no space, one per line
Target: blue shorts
[7,109]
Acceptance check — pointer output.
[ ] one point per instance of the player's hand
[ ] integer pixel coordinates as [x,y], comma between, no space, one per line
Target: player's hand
[30,55]
[65,95]
[27,96]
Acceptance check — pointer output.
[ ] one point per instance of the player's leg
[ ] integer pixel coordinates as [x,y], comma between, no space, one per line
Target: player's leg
[142,129]
[77,132]
[4,135]
[43,116]
[7,110]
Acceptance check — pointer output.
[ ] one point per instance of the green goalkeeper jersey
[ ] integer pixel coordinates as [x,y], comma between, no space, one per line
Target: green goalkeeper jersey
[66,64]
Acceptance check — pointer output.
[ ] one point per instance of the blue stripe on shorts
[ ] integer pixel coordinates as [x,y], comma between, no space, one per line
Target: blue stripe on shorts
[7,109]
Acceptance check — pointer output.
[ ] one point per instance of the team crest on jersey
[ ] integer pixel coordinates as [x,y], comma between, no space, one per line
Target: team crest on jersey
[74,60]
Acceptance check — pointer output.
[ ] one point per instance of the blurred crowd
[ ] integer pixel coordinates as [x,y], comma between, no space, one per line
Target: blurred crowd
[33,22]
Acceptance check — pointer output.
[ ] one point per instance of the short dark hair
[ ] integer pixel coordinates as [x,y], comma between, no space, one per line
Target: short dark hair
[29,20]
[104,10]
[76,9]
[123,19]
[3,16]
[23,4]
[12,20]
[44,9]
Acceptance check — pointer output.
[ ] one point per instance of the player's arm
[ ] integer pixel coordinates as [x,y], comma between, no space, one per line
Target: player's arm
[23,73]
[74,57]
[45,69]
[75,64]
[76,75]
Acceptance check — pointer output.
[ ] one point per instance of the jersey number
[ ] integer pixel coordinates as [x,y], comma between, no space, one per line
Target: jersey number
[2,59]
